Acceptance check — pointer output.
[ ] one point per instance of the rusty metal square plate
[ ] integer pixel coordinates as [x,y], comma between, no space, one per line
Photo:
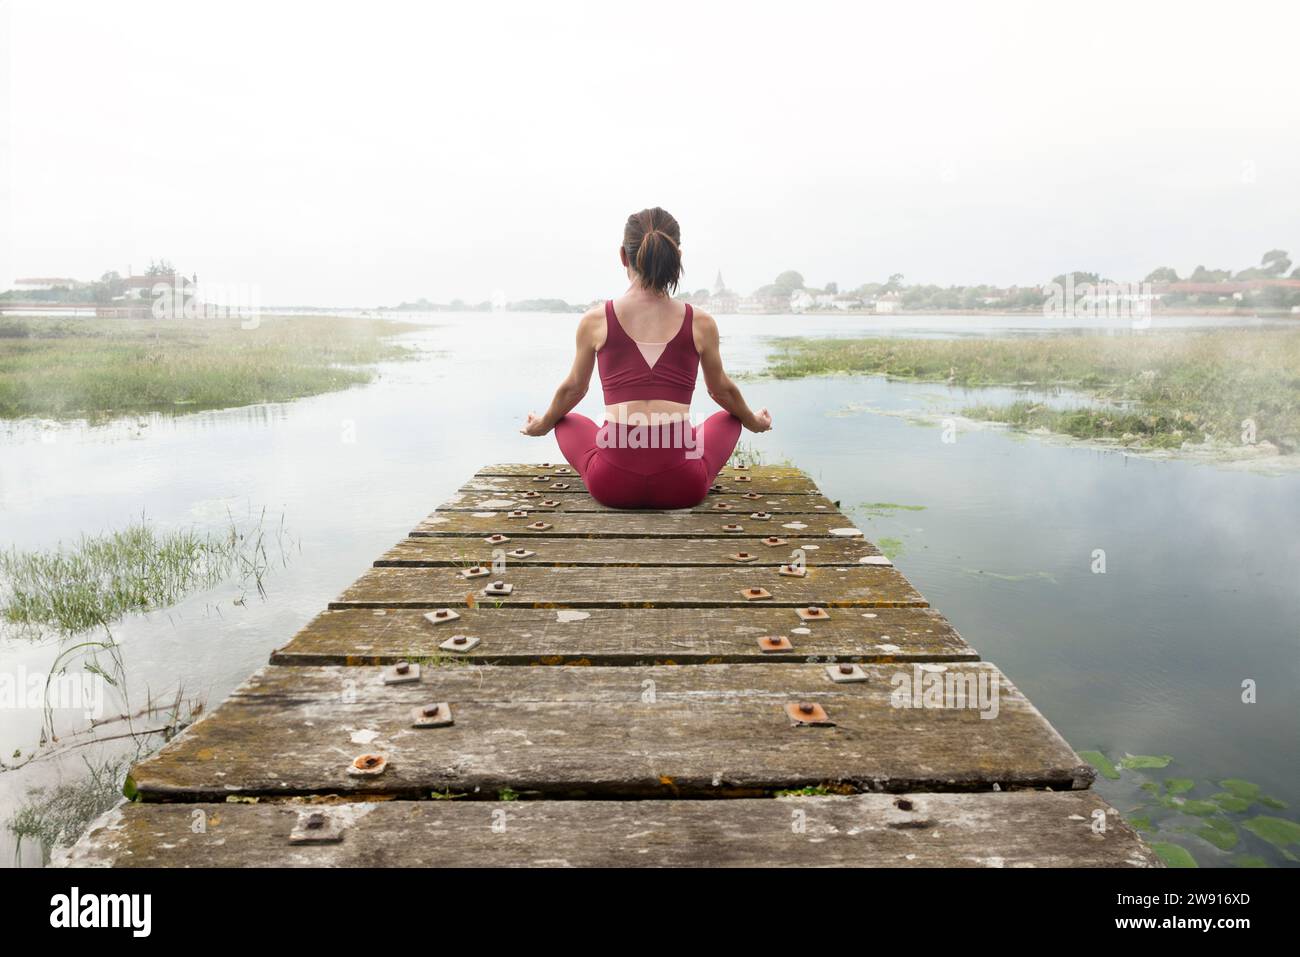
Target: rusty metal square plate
[846,672]
[755,593]
[775,643]
[459,643]
[807,713]
[440,616]
[368,765]
[812,613]
[402,673]
[316,827]
[437,715]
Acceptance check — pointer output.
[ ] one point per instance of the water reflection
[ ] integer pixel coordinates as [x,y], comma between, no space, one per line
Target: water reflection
[1199,591]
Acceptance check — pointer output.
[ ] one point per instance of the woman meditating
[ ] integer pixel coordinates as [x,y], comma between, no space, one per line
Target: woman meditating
[647,454]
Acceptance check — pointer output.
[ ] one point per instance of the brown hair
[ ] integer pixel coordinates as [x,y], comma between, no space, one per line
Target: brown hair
[653,243]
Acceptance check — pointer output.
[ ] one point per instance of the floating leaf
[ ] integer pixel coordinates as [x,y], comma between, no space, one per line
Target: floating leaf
[1197,807]
[1179,785]
[1141,822]
[1230,802]
[1249,860]
[1173,855]
[1276,830]
[1222,834]
[1142,762]
[1101,763]
[1150,787]
[1242,789]
[1274,803]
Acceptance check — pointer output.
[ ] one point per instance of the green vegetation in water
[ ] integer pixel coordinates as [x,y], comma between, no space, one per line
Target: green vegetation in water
[891,548]
[1158,390]
[507,794]
[136,569]
[98,368]
[1026,577]
[1218,820]
[57,816]
[878,509]
[1101,763]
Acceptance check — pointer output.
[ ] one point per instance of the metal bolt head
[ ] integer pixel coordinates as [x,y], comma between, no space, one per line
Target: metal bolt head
[805,708]
[315,821]
[460,639]
[846,669]
[430,712]
[402,667]
[498,584]
[441,613]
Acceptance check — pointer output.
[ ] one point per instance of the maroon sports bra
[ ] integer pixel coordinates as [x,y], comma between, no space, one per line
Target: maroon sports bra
[626,376]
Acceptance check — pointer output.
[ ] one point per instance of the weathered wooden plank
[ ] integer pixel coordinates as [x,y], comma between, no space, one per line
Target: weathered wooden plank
[1017,829]
[642,552]
[517,484]
[624,636]
[737,504]
[873,586]
[620,524]
[762,478]
[551,468]
[591,732]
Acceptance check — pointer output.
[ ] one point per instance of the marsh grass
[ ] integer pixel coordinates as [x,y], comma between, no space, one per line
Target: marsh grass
[1156,389]
[98,368]
[72,590]
[57,816]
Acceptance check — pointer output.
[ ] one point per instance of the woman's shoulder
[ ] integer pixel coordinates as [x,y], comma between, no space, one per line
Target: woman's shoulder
[701,320]
[591,327]
[703,329]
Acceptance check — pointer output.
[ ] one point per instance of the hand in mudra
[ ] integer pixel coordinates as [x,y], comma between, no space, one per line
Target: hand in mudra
[762,421]
[534,426]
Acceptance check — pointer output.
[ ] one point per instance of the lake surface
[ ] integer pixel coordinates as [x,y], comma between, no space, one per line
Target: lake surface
[1199,594]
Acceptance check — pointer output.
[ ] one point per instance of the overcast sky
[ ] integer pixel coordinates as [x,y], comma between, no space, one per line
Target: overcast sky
[362,154]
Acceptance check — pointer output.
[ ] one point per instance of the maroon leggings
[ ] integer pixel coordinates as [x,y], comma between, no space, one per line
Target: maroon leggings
[663,466]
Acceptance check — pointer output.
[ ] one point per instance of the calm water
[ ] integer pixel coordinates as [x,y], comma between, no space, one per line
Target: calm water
[1200,589]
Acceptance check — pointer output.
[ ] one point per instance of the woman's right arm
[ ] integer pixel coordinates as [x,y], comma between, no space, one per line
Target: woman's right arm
[575,384]
[721,388]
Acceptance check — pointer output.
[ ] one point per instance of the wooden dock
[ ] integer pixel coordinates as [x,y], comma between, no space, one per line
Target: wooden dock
[672,715]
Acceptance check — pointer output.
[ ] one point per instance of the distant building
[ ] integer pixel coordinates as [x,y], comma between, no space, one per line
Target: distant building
[845,302]
[801,300]
[43,284]
[141,287]
[889,302]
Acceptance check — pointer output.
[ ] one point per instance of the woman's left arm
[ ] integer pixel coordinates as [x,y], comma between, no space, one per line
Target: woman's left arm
[575,384]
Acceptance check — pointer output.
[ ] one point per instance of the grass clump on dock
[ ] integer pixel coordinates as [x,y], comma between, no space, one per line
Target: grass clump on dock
[1150,389]
[97,368]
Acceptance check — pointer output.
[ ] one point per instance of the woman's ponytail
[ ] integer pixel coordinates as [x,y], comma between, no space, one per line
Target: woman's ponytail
[653,242]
